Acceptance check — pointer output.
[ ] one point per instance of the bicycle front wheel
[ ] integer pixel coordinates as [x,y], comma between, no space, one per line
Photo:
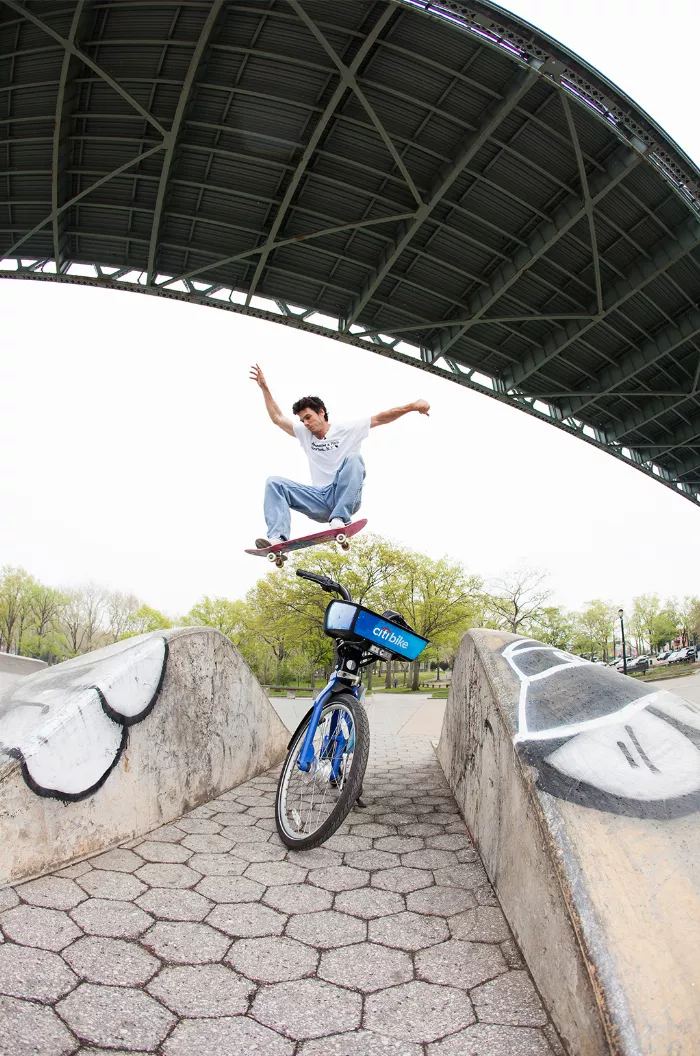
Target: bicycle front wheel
[311,804]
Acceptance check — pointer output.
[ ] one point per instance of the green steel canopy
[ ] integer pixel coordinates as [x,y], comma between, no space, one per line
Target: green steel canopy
[441,182]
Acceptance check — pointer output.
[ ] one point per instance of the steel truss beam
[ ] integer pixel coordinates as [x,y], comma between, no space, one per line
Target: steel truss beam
[668,252]
[73,49]
[65,98]
[323,122]
[208,29]
[573,209]
[495,114]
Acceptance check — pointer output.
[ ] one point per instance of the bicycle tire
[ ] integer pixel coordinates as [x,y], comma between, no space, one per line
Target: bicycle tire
[351,788]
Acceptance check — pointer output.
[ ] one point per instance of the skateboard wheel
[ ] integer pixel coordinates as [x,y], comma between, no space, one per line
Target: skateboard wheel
[341,538]
[345,545]
[279,562]
[272,557]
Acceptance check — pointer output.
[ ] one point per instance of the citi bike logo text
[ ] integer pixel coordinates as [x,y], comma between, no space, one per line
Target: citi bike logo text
[389,637]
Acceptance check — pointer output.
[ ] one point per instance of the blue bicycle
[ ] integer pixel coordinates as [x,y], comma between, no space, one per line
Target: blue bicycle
[322,776]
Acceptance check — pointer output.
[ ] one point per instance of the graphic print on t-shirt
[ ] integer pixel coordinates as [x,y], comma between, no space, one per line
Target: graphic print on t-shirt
[327,454]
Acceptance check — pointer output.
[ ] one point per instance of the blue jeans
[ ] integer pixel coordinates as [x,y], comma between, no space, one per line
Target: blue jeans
[340,499]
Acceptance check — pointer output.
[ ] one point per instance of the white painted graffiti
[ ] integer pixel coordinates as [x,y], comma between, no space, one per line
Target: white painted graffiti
[604,740]
[67,725]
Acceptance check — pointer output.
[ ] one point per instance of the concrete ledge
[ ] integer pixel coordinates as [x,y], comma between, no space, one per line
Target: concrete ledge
[581,789]
[112,744]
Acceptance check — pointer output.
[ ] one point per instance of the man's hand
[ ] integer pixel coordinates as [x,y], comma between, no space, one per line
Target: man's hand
[422,406]
[273,410]
[257,376]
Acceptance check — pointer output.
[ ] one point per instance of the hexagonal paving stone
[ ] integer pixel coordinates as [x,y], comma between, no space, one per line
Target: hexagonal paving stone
[465,876]
[399,844]
[371,829]
[359,1043]
[458,963]
[228,1036]
[486,896]
[230,889]
[421,828]
[372,860]
[239,821]
[8,899]
[339,878]
[110,1015]
[168,904]
[418,1011]
[429,859]
[450,841]
[202,990]
[119,860]
[482,924]
[440,901]
[327,929]
[111,961]
[408,931]
[272,960]
[33,973]
[369,902]
[198,826]
[247,920]
[262,811]
[49,929]
[298,898]
[272,874]
[157,874]
[185,943]
[209,844]
[100,916]
[366,967]
[343,842]
[307,1008]
[402,879]
[167,834]
[52,892]
[154,851]
[103,883]
[395,818]
[217,864]
[510,999]
[28,1028]
[258,852]
[486,1039]
[316,858]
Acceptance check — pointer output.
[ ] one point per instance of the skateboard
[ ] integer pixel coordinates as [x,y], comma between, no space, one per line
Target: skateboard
[278,553]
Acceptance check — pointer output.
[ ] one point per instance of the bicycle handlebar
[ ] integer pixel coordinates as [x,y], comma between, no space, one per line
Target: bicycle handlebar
[325,584]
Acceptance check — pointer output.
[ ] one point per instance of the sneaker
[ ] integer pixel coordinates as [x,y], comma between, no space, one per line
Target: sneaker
[263,544]
[337,523]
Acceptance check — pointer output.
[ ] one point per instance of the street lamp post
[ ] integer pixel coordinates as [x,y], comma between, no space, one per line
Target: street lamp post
[624,648]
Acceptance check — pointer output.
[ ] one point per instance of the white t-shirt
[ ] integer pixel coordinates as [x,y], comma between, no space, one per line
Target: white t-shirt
[325,456]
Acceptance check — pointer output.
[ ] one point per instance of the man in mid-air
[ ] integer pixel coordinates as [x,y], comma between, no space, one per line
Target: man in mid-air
[337,468]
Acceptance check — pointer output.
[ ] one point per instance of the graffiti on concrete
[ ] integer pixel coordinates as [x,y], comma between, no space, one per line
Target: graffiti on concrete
[68,725]
[603,740]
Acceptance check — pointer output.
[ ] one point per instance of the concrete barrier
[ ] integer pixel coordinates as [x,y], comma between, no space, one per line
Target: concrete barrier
[102,748]
[13,668]
[581,788]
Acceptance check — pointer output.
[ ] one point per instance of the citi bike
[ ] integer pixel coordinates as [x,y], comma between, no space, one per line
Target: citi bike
[322,776]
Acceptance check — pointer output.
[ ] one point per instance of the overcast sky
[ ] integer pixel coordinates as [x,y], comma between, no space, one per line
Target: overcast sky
[135,450]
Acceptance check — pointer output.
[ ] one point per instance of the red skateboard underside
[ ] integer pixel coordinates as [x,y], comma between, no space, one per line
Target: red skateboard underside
[311,540]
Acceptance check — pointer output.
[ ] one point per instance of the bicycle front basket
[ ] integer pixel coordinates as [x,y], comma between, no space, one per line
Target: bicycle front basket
[346,620]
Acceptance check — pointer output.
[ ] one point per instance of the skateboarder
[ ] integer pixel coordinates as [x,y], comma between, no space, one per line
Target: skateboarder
[337,468]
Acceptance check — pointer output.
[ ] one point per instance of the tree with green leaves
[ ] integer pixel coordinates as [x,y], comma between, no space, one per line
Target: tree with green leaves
[144,620]
[517,598]
[225,615]
[553,625]
[595,627]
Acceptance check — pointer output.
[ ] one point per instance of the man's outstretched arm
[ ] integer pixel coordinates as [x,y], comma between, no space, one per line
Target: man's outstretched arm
[384,417]
[273,410]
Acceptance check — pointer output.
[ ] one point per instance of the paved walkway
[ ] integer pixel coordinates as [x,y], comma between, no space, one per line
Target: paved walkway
[208,938]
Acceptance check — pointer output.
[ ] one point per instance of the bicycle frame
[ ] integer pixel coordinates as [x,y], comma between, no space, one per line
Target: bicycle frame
[307,752]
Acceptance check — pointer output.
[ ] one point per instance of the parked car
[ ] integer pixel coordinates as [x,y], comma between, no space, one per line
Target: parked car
[663,657]
[681,656]
[638,663]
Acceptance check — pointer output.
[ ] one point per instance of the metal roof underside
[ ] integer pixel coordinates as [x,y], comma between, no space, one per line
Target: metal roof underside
[443,183]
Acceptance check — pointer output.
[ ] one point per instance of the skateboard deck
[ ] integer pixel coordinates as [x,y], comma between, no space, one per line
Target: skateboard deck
[278,552]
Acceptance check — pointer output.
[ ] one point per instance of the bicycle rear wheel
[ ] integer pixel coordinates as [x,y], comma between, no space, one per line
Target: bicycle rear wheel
[311,804]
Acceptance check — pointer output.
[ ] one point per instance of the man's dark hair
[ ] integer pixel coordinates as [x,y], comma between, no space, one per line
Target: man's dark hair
[314,403]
